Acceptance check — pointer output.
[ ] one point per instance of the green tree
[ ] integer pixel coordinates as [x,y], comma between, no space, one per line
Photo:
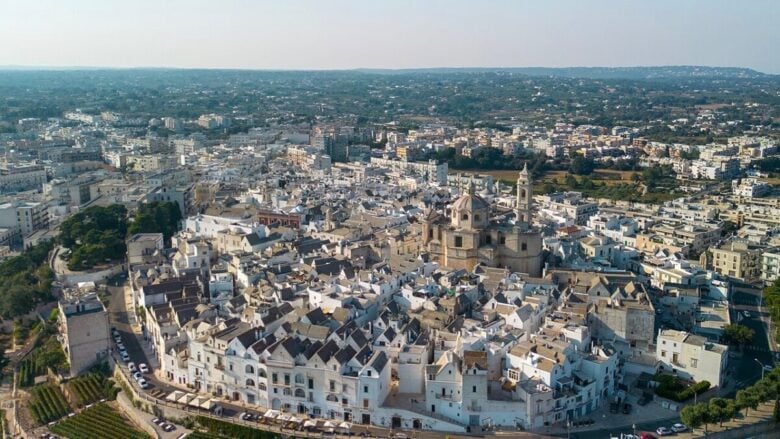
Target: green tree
[721,410]
[691,416]
[738,334]
[747,399]
[582,165]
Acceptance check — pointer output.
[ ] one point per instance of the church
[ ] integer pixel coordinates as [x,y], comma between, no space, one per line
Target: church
[465,235]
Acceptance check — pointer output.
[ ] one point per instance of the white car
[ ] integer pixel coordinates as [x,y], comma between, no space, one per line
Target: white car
[679,428]
[663,431]
[143,368]
[131,367]
[137,376]
[143,384]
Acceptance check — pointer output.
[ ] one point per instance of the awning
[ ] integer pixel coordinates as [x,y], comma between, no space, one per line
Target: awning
[174,396]
[329,424]
[309,423]
[345,425]
[271,414]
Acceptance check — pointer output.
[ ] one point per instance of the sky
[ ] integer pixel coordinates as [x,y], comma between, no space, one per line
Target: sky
[344,34]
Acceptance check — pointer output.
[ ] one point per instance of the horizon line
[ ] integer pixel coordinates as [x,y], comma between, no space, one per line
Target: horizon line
[8,67]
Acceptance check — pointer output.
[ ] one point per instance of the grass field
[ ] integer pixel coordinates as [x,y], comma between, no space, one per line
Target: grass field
[602,176]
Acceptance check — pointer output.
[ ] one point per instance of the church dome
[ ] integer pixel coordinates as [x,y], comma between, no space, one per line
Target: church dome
[470,202]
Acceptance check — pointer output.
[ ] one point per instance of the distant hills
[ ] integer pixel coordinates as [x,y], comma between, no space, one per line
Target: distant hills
[650,72]
[595,72]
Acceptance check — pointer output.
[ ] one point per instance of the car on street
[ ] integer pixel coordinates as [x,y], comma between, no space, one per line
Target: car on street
[646,435]
[120,346]
[143,368]
[663,431]
[679,428]
[142,383]
[246,416]
[125,357]
[169,427]
[131,367]
[137,376]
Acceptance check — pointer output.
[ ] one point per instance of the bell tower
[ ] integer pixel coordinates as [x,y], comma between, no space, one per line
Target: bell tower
[524,197]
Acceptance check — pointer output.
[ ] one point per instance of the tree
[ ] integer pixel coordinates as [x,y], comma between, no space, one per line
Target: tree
[738,334]
[776,412]
[690,415]
[747,399]
[721,409]
[582,165]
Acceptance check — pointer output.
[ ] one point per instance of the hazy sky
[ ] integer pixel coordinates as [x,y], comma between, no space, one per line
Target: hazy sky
[337,34]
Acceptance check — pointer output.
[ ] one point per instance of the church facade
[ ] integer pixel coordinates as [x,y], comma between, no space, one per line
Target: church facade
[465,235]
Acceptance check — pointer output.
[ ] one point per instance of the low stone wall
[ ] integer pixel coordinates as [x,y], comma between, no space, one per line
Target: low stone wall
[767,429]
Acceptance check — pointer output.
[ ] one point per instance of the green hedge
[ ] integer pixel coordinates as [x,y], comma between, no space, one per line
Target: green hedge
[671,387]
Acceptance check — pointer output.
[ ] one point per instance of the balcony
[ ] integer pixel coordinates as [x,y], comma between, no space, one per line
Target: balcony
[475,408]
[219,367]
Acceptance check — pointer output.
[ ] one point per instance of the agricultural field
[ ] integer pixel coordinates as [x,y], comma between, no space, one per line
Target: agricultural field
[220,429]
[90,388]
[48,403]
[97,422]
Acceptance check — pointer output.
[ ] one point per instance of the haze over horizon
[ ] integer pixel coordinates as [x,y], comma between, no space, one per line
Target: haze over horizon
[350,34]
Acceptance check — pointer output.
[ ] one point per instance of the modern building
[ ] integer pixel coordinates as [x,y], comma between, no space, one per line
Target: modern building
[691,356]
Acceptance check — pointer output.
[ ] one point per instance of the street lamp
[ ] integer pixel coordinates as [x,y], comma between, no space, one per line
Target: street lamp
[762,367]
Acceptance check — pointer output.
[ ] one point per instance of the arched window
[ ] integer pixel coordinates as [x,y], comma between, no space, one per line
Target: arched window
[332,398]
[522,193]
[250,382]
[262,373]
[300,393]
[476,217]
[465,216]
[249,369]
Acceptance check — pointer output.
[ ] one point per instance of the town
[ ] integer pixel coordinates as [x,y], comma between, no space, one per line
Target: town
[515,276]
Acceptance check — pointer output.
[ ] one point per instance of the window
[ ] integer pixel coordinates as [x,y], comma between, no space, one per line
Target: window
[474,389]
[663,354]
[286,379]
[298,378]
[694,362]
[476,217]
[458,241]
[430,233]
[300,393]
[465,216]
[274,378]
[332,385]
[249,369]
[262,386]
[368,372]
[502,240]
[311,383]
[365,403]
[286,391]
[365,389]
[488,239]
[524,246]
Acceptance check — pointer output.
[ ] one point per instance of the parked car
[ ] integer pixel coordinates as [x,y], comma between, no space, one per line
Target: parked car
[142,383]
[679,428]
[125,357]
[646,435]
[143,368]
[663,431]
[131,367]
[169,427]
[245,416]
[626,408]
[137,376]
[120,346]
